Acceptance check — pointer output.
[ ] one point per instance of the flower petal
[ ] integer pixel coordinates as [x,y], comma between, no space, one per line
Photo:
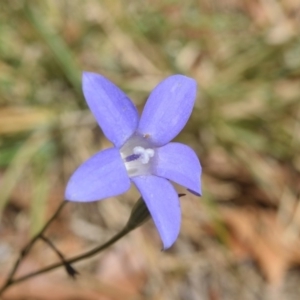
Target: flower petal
[179,163]
[101,176]
[167,109]
[163,204]
[115,113]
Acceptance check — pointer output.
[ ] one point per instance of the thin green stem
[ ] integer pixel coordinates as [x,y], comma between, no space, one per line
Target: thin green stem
[139,215]
[85,255]
[24,252]
[39,234]
[50,244]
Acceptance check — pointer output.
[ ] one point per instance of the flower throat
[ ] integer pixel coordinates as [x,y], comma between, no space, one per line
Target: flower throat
[137,154]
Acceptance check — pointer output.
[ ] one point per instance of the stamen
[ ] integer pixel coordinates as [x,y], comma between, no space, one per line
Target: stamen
[137,154]
[145,154]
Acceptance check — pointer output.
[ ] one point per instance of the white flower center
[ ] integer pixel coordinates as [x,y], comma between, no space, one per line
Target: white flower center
[145,154]
[137,153]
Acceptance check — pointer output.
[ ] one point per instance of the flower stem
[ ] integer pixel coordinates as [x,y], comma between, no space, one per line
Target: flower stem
[74,259]
[138,216]
[10,281]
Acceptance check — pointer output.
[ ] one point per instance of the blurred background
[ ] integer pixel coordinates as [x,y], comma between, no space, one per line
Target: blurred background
[240,240]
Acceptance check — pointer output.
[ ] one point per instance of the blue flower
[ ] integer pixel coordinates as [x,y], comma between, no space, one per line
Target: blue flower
[142,151]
